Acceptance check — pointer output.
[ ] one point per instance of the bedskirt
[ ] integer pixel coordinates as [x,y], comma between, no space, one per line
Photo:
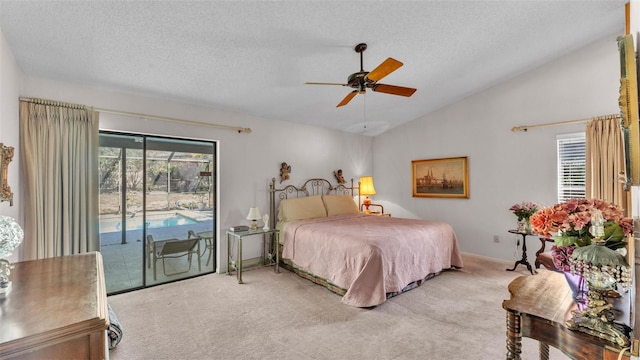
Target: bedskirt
[289,265]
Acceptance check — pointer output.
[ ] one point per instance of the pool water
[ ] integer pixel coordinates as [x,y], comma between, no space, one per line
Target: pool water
[155,221]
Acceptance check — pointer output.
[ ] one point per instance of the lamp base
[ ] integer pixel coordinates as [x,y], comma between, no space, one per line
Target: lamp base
[5,288]
[597,320]
[366,203]
[254,225]
[5,277]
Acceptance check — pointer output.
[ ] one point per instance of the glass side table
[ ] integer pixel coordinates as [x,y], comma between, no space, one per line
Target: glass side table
[271,234]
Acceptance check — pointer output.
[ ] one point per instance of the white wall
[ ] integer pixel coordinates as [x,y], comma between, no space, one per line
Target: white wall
[247,161]
[505,167]
[10,76]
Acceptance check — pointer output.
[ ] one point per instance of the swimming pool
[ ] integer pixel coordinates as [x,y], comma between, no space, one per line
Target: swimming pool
[153,221]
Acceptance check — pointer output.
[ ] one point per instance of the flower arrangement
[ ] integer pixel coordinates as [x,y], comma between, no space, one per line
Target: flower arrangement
[571,223]
[524,210]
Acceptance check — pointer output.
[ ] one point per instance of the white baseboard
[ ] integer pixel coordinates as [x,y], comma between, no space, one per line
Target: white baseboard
[487,258]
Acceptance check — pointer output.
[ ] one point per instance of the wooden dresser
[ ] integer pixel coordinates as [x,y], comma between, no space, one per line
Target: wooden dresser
[57,309]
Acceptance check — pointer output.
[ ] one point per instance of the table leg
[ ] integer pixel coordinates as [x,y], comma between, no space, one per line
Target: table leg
[155,252]
[199,263]
[277,236]
[264,252]
[239,261]
[524,260]
[228,254]
[514,336]
[544,351]
[209,244]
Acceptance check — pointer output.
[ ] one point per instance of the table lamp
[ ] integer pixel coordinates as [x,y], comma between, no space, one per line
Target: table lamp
[254,216]
[366,189]
[603,269]
[10,237]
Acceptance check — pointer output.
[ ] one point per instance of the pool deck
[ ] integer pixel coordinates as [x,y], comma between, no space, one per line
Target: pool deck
[123,262]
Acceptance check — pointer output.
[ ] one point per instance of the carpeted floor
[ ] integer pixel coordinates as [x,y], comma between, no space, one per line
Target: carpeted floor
[457,315]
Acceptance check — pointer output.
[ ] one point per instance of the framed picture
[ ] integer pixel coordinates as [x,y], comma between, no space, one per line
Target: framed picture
[444,178]
[6,155]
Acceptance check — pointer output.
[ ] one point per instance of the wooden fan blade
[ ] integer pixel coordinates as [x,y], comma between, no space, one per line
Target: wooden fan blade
[394,90]
[387,67]
[348,98]
[325,83]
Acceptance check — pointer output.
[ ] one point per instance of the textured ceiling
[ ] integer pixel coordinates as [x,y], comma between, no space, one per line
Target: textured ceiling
[253,57]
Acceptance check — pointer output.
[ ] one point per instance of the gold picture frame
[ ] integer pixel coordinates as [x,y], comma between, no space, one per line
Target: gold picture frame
[440,178]
[6,155]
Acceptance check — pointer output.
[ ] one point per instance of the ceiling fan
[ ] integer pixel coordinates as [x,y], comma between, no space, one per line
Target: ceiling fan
[362,80]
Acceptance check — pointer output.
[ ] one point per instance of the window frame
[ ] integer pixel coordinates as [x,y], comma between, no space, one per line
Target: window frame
[571,166]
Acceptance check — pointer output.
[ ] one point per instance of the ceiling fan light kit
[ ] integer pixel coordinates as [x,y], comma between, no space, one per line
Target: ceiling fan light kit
[362,80]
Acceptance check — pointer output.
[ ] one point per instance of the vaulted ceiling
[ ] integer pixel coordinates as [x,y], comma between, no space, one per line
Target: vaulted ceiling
[253,57]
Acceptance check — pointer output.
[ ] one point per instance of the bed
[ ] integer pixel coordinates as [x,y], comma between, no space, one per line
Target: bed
[364,258]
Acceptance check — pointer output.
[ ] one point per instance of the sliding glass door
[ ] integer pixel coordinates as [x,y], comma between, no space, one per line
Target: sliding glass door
[157,212]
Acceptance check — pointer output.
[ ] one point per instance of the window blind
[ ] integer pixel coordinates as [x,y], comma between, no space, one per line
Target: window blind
[571,166]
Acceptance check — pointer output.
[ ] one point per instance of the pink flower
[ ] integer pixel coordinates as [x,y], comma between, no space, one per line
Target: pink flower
[524,210]
[573,218]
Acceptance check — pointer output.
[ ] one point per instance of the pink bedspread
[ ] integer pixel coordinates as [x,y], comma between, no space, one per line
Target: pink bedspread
[370,255]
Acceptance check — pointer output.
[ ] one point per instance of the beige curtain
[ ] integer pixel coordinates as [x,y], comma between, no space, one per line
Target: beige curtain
[59,151]
[605,160]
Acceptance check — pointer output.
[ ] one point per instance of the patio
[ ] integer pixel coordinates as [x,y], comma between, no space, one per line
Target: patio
[123,262]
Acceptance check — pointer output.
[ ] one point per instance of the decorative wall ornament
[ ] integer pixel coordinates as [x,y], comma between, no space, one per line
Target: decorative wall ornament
[285,169]
[339,177]
[6,155]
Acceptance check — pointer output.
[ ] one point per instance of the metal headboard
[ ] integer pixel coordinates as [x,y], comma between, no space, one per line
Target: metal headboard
[310,187]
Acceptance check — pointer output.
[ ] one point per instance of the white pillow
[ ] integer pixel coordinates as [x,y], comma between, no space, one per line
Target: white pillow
[301,208]
[339,204]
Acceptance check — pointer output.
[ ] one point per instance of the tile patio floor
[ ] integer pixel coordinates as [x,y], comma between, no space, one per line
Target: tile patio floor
[123,263]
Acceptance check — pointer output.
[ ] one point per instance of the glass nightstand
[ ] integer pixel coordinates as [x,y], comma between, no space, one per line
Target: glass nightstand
[271,235]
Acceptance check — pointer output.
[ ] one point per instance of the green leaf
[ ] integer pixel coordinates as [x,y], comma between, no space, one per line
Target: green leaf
[565,240]
[613,231]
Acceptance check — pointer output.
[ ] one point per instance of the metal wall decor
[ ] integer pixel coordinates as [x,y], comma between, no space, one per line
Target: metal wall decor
[6,155]
[339,178]
[285,169]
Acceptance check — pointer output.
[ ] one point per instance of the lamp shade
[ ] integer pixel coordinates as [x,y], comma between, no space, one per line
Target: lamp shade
[254,214]
[366,186]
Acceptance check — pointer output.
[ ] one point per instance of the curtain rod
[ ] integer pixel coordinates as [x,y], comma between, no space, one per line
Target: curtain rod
[134,114]
[527,127]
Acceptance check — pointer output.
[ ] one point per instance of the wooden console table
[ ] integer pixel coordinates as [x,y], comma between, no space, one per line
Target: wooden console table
[538,308]
[56,309]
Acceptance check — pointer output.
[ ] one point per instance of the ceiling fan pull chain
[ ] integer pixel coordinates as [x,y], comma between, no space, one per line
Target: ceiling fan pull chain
[364,101]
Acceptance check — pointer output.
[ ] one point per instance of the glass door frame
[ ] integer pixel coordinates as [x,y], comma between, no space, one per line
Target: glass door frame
[213,193]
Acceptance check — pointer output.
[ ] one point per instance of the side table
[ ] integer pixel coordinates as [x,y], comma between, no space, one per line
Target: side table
[523,260]
[538,309]
[242,234]
[208,238]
